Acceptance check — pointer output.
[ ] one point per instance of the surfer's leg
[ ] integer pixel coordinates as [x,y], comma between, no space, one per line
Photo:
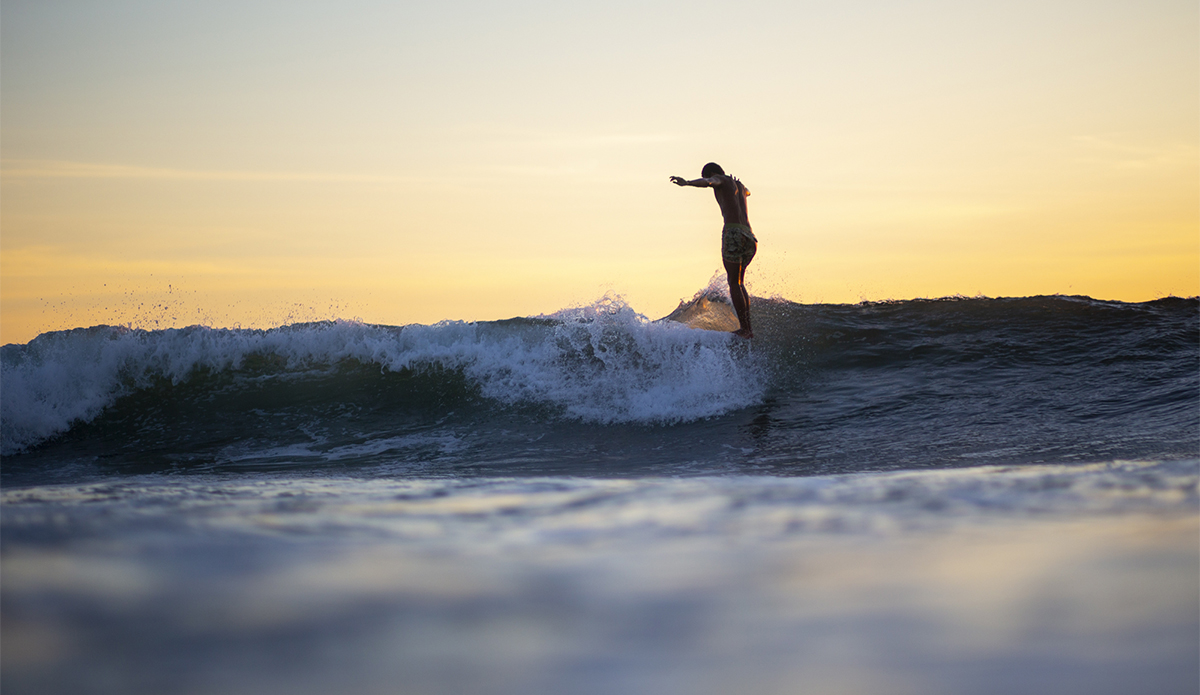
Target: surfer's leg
[745,301]
[740,297]
[747,256]
[737,250]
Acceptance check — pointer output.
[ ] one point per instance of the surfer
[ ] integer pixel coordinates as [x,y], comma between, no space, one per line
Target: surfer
[738,243]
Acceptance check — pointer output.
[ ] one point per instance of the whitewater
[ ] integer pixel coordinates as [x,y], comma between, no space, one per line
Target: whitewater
[603,363]
[958,495]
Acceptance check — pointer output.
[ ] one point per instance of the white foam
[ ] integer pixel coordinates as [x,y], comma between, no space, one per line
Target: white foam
[603,363]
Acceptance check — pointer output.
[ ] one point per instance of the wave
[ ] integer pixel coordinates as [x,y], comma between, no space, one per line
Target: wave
[1062,368]
[602,363]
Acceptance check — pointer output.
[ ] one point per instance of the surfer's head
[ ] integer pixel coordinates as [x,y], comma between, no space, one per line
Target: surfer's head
[711,169]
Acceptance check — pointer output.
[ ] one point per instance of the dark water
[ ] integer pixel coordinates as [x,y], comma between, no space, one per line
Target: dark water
[943,496]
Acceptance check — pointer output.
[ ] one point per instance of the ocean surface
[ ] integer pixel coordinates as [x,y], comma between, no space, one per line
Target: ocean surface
[962,495]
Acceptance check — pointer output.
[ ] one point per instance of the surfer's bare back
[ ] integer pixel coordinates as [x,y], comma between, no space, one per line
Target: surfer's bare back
[738,243]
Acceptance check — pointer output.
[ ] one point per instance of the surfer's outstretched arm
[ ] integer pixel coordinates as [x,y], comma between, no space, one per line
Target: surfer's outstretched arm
[710,182]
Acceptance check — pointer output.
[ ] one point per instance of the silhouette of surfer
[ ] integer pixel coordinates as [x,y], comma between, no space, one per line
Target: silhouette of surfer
[738,243]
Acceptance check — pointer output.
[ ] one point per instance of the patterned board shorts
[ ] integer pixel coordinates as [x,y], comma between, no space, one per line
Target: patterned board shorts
[738,244]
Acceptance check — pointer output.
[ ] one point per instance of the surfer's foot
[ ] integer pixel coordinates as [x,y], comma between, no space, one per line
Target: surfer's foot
[744,333]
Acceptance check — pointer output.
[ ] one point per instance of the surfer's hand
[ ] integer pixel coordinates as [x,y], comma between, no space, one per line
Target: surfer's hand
[678,180]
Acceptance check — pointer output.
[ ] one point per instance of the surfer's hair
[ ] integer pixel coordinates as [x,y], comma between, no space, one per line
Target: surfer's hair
[711,169]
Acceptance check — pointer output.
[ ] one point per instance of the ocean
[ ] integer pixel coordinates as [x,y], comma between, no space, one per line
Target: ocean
[960,496]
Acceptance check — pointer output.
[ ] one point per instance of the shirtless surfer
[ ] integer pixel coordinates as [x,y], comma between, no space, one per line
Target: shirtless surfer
[738,243]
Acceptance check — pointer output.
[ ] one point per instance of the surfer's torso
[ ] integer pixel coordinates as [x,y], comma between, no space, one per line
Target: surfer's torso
[731,197]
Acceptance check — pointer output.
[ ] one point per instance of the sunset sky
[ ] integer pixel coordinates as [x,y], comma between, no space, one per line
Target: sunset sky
[257,163]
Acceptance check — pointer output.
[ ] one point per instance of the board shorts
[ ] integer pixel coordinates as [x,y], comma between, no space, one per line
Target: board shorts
[738,244]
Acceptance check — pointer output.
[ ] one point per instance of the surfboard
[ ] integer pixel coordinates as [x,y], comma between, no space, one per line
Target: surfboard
[710,312]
